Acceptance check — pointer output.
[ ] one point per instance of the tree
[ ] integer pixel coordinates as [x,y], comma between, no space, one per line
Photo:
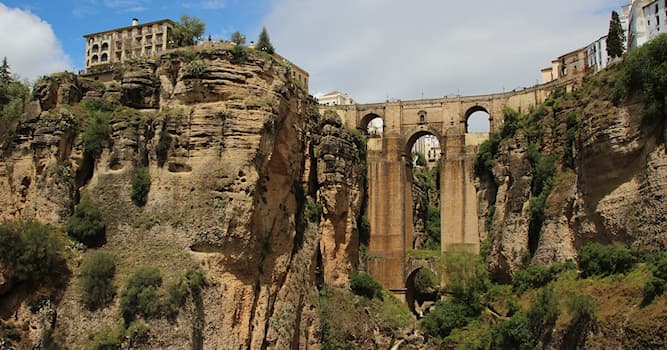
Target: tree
[86,225]
[615,37]
[5,76]
[264,43]
[97,280]
[238,38]
[141,184]
[188,31]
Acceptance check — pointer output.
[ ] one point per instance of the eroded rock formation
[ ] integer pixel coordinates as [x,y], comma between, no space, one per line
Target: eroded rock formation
[227,195]
[616,191]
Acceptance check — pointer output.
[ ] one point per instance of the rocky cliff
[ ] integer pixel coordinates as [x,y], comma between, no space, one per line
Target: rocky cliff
[234,150]
[586,166]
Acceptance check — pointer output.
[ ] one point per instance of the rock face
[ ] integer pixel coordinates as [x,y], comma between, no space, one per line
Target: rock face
[340,177]
[226,195]
[616,191]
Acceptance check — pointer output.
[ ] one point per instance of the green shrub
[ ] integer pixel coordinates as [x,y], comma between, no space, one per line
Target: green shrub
[656,285]
[426,282]
[95,133]
[644,72]
[195,68]
[97,284]
[444,317]
[239,54]
[582,308]
[432,226]
[163,145]
[313,210]
[100,105]
[141,184]
[110,339]
[137,333]
[365,285]
[602,260]
[514,333]
[359,140]
[14,96]
[544,175]
[421,158]
[468,278]
[196,280]
[544,311]
[139,296]
[32,251]
[538,275]
[485,156]
[86,225]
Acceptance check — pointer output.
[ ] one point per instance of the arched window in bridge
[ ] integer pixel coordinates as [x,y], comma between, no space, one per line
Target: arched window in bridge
[478,120]
[422,117]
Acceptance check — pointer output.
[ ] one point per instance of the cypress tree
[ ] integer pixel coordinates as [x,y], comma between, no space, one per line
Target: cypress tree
[5,75]
[615,37]
[264,43]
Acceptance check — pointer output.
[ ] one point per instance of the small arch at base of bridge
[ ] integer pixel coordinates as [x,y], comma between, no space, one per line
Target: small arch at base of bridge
[422,289]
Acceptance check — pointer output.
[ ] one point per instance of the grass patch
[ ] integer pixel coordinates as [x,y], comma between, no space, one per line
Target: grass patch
[423,254]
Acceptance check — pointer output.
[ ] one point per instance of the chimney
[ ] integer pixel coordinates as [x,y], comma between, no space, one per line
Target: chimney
[135,21]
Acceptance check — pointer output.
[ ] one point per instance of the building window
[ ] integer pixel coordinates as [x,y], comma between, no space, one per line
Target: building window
[96,48]
[94,59]
[422,117]
[104,57]
[105,46]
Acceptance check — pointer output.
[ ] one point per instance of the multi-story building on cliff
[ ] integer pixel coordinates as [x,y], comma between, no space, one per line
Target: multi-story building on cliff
[104,49]
[597,54]
[646,20]
[570,65]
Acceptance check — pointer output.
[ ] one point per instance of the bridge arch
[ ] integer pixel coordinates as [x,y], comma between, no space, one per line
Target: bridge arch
[371,124]
[416,135]
[477,119]
[421,289]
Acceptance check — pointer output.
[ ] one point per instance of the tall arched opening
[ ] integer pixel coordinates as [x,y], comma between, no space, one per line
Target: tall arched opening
[423,191]
[421,290]
[478,120]
[372,125]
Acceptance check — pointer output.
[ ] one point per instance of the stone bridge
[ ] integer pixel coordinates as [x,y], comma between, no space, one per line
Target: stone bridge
[390,175]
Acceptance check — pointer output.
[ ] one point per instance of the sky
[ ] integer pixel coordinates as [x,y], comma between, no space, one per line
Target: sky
[373,50]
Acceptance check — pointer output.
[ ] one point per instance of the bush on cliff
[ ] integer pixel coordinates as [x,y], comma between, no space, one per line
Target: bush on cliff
[95,133]
[140,295]
[363,284]
[657,284]
[538,275]
[163,145]
[141,183]
[602,260]
[32,251]
[97,280]
[86,225]
[644,72]
[445,317]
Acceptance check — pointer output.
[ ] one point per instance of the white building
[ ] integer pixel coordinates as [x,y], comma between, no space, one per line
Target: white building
[646,20]
[656,18]
[596,53]
[429,146]
[334,98]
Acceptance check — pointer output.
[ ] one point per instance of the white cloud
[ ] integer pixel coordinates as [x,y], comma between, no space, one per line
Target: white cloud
[29,44]
[206,4]
[374,49]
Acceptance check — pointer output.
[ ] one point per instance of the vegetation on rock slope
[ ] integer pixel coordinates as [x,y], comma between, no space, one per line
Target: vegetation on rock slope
[616,297]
